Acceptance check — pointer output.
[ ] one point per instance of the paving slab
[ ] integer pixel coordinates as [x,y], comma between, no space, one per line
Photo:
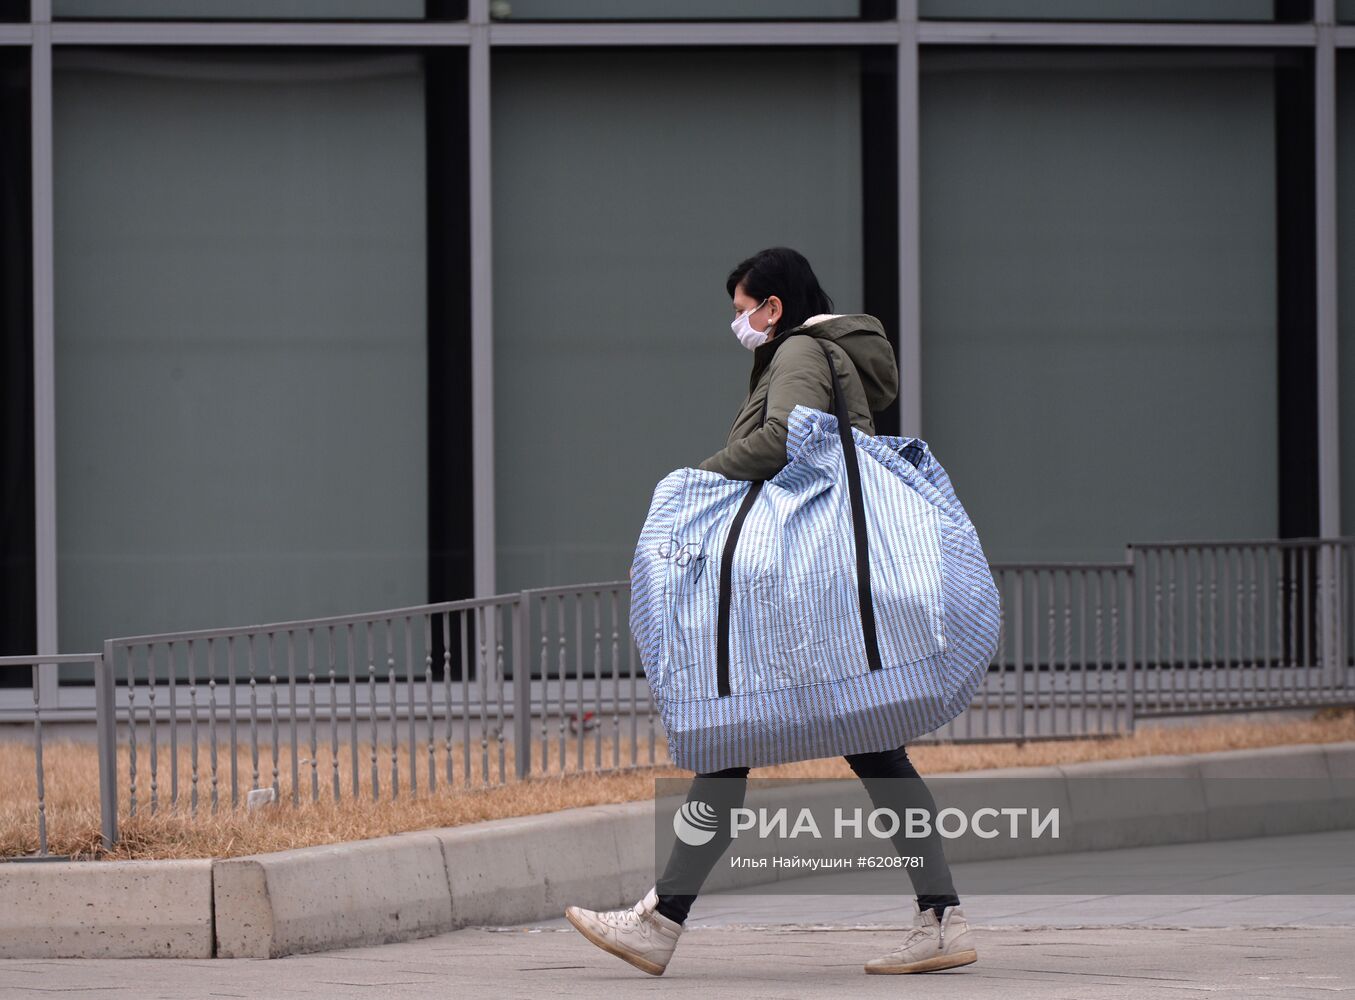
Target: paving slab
[783,961]
[1190,874]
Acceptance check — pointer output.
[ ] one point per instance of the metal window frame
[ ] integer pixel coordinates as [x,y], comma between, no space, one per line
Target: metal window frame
[44,348]
[1324,158]
[482,300]
[479,34]
[910,222]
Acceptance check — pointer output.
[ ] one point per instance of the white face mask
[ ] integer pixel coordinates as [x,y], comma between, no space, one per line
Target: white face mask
[749,337]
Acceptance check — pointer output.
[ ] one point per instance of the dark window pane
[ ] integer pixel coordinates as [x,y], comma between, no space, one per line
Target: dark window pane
[1099,297]
[241,338]
[613,195]
[262,10]
[1116,10]
[18,622]
[688,10]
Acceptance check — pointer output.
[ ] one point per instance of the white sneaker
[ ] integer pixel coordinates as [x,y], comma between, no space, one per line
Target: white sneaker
[930,944]
[640,934]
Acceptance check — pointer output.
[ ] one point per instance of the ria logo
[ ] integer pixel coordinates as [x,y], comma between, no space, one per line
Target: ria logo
[695,823]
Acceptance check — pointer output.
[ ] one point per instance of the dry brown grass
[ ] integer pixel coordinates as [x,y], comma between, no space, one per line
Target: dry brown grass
[172,832]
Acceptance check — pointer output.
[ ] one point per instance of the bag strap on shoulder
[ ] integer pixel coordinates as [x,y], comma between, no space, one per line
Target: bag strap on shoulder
[867,604]
[844,430]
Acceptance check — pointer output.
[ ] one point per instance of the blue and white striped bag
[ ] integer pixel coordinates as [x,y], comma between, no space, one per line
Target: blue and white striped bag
[747,603]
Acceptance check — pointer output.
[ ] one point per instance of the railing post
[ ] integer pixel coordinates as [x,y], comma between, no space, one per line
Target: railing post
[1130,671]
[1341,606]
[1327,596]
[37,760]
[522,689]
[1019,657]
[106,734]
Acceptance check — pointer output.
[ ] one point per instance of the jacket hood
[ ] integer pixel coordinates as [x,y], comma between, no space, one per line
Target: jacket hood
[863,338]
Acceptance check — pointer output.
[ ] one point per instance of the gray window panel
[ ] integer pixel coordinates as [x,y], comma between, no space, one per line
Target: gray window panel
[241,10]
[1098,10]
[1345,262]
[1345,10]
[1099,295]
[240,338]
[625,190]
[671,10]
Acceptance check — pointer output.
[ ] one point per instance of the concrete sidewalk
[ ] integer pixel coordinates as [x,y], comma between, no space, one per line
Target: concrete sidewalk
[1056,891]
[746,944]
[1014,964]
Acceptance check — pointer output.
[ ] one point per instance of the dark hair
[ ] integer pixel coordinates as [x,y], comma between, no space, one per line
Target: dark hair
[785,273]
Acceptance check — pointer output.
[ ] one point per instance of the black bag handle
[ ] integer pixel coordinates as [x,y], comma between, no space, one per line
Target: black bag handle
[867,604]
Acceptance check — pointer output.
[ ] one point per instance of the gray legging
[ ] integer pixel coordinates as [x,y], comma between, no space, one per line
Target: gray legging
[689,865]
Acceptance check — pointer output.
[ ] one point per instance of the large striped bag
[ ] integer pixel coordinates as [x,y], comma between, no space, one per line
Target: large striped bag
[842,606]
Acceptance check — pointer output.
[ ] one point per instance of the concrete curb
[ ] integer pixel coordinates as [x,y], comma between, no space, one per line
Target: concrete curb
[316,898]
[525,868]
[109,909]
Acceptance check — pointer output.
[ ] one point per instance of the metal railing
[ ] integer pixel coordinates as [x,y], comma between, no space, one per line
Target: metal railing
[1061,666]
[1244,625]
[463,694]
[44,675]
[586,678]
[374,698]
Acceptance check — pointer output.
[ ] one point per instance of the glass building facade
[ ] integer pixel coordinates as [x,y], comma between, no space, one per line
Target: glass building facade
[323,306]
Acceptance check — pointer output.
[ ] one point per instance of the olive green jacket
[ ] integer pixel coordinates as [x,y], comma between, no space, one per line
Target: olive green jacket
[791,368]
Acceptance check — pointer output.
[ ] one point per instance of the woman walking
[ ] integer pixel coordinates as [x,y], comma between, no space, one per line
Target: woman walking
[782,315]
